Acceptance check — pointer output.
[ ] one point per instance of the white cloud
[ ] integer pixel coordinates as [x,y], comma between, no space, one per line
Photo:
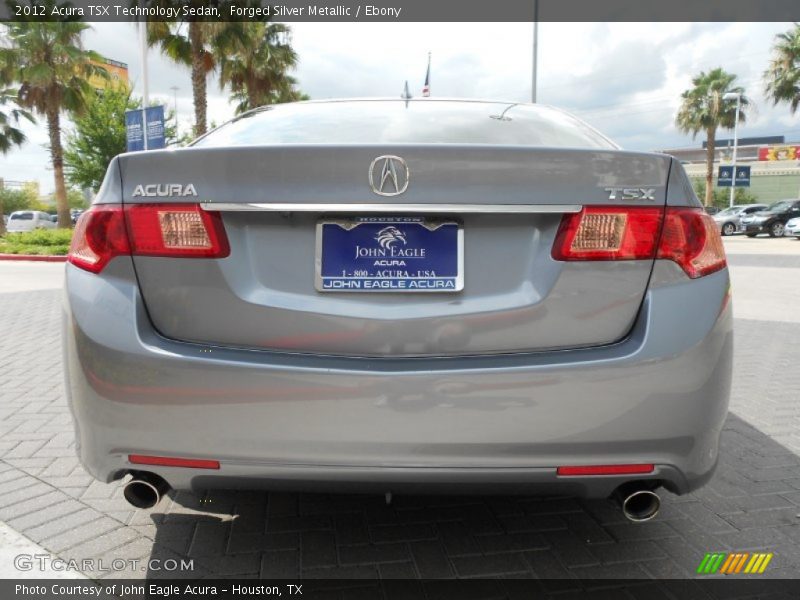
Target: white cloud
[623,78]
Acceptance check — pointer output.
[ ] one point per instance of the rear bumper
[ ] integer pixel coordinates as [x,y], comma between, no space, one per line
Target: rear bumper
[490,423]
[755,228]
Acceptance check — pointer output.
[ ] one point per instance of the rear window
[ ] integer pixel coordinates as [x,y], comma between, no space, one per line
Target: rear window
[22,217]
[412,122]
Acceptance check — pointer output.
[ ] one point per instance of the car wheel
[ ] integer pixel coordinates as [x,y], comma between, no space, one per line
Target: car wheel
[776,229]
[728,229]
[751,235]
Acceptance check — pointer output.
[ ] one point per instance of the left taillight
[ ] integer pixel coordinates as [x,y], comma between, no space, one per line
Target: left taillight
[168,230]
[100,235]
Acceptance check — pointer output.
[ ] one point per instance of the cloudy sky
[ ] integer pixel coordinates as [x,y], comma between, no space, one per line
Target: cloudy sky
[623,78]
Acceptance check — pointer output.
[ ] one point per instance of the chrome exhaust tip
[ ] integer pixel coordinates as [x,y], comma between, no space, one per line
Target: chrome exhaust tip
[641,505]
[145,490]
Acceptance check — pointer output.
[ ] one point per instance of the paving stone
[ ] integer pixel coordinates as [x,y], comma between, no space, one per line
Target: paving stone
[751,504]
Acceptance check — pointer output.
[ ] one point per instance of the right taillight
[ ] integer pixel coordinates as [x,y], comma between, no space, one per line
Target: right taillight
[169,230]
[687,236]
[690,238]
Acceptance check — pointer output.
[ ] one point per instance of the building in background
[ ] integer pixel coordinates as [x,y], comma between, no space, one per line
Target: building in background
[774,164]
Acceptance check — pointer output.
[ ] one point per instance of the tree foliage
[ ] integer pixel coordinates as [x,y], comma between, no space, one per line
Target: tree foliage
[52,69]
[783,75]
[256,66]
[198,45]
[10,134]
[99,135]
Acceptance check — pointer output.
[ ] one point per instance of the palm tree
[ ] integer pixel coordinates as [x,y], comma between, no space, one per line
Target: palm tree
[10,135]
[256,66]
[196,44]
[52,68]
[703,108]
[783,76]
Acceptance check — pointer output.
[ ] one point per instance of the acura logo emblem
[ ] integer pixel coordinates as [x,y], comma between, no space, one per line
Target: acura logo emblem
[388,175]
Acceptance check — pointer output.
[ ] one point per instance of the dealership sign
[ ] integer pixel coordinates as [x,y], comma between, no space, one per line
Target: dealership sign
[134,127]
[725,176]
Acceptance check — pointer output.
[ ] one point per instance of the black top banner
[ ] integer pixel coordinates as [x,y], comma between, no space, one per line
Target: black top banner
[403,10]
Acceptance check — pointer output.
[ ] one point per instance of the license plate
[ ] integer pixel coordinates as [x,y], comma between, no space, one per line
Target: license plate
[389,254]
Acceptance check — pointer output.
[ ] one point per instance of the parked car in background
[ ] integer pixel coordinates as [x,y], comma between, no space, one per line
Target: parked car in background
[74,214]
[728,220]
[711,210]
[792,228]
[28,220]
[771,221]
[54,219]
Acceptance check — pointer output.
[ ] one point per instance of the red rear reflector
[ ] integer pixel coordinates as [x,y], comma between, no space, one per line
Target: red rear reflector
[173,230]
[176,230]
[167,461]
[608,233]
[691,239]
[99,236]
[605,470]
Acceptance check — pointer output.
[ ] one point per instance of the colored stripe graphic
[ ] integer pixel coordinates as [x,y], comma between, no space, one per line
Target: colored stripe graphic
[734,563]
[711,562]
[729,562]
[763,566]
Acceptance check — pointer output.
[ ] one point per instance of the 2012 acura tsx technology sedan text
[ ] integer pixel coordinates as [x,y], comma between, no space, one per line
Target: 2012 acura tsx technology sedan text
[399,296]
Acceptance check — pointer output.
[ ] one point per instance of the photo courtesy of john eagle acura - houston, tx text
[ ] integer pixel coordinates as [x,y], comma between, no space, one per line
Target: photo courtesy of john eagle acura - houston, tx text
[399,296]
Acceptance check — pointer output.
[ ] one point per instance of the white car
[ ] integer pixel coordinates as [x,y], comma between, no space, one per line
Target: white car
[28,220]
[792,228]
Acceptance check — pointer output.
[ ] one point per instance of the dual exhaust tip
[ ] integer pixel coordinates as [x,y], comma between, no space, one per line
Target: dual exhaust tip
[145,490]
[638,503]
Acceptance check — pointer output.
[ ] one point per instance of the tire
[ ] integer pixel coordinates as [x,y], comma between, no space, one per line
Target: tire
[776,229]
[752,235]
[728,229]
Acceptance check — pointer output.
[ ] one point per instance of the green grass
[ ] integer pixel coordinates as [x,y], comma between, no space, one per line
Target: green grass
[47,242]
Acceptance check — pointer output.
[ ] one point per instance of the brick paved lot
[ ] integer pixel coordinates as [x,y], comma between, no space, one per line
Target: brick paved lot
[752,503]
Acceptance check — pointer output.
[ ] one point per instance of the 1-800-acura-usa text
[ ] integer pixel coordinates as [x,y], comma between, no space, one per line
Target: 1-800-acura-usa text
[399,296]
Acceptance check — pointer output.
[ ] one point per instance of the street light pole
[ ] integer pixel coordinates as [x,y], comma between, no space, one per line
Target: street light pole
[731,96]
[175,89]
[535,49]
[145,91]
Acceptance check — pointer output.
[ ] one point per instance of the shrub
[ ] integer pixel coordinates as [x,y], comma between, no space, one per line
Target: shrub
[41,241]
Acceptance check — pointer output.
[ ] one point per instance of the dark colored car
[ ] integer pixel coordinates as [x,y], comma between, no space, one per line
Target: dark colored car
[771,221]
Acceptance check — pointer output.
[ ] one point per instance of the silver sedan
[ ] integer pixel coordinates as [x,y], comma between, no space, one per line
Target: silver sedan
[391,296]
[729,220]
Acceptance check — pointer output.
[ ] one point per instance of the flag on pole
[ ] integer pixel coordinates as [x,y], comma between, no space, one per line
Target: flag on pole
[426,89]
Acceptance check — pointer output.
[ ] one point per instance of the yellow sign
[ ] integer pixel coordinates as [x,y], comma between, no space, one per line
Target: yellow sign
[118,73]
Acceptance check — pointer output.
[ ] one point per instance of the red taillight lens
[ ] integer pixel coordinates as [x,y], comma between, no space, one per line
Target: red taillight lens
[608,233]
[688,237]
[584,470]
[175,230]
[691,239]
[99,236]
